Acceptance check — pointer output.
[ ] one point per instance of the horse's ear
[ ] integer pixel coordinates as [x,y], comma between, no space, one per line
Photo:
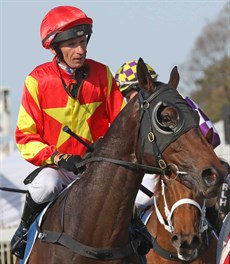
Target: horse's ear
[209,136]
[174,78]
[144,78]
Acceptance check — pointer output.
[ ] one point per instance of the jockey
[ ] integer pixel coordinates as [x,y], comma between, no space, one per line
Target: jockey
[57,94]
[126,78]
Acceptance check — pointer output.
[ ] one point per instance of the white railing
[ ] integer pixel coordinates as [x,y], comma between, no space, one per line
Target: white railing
[5,255]
[5,237]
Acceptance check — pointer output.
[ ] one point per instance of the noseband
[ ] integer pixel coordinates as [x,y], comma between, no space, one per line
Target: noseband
[169,213]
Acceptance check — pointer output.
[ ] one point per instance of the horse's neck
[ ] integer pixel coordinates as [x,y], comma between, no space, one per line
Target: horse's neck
[120,140]
[107,191]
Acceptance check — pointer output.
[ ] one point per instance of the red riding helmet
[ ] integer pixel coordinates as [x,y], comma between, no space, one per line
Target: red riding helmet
[63,23]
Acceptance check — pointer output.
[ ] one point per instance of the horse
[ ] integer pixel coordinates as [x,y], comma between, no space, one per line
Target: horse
[90,221]
[179,227]
[185,226]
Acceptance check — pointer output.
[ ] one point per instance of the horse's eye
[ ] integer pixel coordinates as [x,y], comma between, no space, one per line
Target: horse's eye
[165,119]
[169,120]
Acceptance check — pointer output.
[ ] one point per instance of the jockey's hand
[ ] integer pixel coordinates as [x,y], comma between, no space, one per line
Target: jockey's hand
[66,161]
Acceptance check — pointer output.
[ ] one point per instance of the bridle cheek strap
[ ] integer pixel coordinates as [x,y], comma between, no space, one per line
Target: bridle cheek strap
[146,119]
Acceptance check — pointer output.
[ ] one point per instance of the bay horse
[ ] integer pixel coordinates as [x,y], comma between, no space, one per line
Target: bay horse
[90,222]
[184,230]
[179,227]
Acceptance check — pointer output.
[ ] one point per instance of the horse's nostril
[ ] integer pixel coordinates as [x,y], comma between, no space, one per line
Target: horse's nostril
[210,177]
[176,241]
[196,241]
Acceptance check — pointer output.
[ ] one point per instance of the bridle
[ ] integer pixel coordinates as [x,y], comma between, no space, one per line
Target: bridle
[168,225]
[169,212]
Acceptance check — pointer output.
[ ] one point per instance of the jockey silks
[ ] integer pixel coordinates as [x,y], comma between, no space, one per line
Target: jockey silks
[46,108]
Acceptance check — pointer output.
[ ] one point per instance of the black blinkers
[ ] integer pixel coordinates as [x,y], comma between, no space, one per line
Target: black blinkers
[153,106]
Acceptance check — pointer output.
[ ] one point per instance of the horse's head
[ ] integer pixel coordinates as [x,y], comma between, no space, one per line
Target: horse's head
[170,135]
[181,224]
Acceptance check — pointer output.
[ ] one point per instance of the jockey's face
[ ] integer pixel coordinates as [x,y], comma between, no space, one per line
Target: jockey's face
[74,51]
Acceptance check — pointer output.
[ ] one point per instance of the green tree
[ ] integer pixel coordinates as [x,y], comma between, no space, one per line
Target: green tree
[207,72]
[215,89]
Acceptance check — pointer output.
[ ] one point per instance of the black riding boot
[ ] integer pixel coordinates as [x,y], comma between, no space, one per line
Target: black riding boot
[30,211]
[142,232]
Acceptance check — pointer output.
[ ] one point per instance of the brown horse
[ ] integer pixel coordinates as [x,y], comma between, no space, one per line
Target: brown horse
[183,228]
[179,227]
[90,222]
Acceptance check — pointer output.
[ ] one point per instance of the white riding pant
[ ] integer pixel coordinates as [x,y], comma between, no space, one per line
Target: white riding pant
[142,200]
[49,183]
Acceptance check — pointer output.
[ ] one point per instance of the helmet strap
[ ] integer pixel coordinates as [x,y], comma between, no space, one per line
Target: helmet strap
[58,51]
[88,38]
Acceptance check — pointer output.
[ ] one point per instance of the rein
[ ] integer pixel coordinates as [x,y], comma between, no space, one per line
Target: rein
[126,164]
